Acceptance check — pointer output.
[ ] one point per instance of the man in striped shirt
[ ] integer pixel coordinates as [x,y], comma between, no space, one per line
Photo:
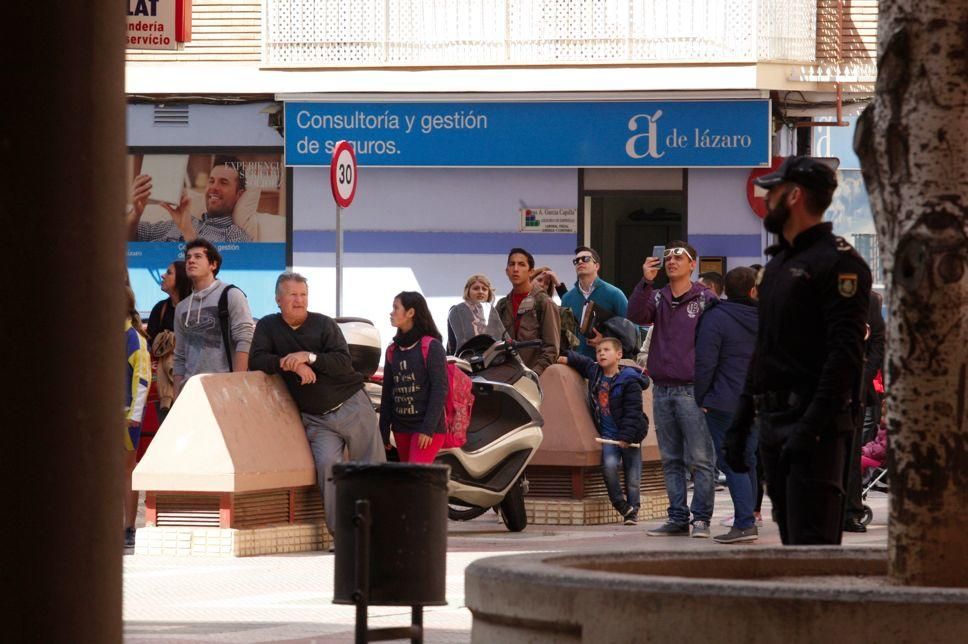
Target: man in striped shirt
[226,183]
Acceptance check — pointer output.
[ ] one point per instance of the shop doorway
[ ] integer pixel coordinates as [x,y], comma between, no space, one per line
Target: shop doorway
[624,226]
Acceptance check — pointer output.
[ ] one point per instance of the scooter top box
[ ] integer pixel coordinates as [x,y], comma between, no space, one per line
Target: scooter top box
[363,340]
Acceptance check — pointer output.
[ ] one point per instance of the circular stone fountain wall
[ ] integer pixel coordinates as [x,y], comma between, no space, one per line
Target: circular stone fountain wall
[766,595]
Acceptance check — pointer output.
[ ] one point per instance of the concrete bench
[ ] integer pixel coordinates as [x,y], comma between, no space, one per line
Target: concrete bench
[565,480]
[230,472]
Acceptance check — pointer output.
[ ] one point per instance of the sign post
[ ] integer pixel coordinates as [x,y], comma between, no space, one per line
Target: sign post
[342,179]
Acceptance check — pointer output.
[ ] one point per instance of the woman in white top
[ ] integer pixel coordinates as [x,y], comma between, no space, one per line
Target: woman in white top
[474,316]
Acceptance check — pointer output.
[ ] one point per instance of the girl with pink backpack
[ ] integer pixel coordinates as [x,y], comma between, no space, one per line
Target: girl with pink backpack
[414,382]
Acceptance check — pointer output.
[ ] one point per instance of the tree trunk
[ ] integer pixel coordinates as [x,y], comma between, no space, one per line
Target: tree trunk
[913,145]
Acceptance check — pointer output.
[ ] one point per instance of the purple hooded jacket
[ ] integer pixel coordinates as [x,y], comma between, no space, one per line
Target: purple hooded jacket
[672,354]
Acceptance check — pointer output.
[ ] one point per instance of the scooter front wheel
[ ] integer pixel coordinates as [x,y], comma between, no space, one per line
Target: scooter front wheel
[464,513]
[513,510]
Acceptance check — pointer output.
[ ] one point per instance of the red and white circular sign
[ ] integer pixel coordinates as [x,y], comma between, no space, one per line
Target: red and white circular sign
[756,195]
[342,173]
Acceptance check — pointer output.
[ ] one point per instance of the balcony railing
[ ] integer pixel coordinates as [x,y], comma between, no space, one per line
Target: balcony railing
[475,33]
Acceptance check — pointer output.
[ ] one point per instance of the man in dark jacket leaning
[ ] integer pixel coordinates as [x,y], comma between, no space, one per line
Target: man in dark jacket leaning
[725,340]
[615,398]
[309,352]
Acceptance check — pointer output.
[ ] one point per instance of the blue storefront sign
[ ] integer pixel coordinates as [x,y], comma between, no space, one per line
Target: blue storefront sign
[534,134]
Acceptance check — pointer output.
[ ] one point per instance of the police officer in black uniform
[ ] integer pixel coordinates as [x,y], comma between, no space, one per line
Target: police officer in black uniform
[804,377]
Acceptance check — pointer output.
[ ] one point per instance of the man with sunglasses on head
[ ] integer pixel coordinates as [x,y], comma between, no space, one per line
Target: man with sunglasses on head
[591,288]
[680,425]
[804,379]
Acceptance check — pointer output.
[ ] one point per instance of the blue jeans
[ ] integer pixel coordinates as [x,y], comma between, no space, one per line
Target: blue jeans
[684,444]
[742,487]
[630,460]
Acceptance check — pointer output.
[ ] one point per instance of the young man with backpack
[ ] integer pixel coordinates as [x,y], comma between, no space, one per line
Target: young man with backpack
[213,326]
[615,398]
[309,352]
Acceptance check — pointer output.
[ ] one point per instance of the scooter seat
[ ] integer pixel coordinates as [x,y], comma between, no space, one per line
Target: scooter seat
[507,373]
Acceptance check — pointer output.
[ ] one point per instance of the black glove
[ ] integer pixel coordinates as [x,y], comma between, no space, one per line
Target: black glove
[734,448]
[801,444]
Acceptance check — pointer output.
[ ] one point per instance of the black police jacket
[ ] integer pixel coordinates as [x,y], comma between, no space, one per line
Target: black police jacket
[813,300]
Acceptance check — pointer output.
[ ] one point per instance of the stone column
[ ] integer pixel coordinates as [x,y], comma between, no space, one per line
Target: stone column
[62,146]
[911,141]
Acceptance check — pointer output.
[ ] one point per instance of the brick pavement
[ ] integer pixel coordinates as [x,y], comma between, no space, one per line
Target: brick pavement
[288,598]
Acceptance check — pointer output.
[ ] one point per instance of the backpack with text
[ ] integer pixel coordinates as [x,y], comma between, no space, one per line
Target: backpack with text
[460,398]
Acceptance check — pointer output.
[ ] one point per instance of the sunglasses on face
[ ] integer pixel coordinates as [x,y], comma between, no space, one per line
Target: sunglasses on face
[581,259]
[677,252]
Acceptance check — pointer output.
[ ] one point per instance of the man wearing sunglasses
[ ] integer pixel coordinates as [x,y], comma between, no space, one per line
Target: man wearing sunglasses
[680,425]
[591,288]
[804,379]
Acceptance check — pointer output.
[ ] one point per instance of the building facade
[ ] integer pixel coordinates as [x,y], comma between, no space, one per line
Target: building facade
[486,124]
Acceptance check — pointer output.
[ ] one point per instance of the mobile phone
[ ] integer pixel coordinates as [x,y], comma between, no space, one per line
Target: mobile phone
[659,251]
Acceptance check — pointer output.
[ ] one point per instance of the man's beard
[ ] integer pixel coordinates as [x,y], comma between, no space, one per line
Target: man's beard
[776,218]
[220,210]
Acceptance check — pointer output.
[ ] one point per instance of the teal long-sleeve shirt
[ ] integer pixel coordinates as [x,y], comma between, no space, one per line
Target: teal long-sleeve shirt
[604,295]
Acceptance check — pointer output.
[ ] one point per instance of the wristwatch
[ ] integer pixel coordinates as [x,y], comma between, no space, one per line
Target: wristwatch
[312,358]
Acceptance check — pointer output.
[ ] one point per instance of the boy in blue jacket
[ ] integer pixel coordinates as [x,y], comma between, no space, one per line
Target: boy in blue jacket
[615,398]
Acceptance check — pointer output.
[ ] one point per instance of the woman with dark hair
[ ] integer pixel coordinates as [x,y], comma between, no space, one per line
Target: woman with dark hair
[161,331]
[177,286]
[414,382]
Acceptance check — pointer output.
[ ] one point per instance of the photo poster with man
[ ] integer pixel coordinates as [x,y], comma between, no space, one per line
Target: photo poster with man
[236,200]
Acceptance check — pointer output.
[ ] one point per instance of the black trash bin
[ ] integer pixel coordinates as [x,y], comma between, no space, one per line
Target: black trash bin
[407,534]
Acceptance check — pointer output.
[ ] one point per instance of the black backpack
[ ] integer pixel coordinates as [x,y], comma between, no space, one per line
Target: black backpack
[223,320]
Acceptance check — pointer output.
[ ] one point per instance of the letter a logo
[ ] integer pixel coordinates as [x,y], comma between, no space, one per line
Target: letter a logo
[652,134]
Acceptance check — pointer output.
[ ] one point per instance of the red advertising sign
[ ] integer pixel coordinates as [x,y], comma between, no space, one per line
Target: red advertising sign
[158,24]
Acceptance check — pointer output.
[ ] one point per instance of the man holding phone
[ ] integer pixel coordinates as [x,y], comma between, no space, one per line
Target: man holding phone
[589,287]
[674,312]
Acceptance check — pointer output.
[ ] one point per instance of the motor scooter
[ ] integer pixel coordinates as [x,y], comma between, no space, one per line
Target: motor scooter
[504,433]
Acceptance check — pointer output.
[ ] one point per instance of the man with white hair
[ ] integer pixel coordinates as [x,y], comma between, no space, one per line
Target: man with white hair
[309,352]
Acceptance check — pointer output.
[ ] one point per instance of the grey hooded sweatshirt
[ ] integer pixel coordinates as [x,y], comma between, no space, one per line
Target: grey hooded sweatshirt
[198,335]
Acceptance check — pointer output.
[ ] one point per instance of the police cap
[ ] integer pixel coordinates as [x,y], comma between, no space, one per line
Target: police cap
[813,174]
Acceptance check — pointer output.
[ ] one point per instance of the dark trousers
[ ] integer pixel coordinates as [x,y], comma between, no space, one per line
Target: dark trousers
[855,504]
[854,507]
[807,494]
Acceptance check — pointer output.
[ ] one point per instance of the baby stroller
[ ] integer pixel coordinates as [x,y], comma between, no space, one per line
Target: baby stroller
[875,479]
[873,459]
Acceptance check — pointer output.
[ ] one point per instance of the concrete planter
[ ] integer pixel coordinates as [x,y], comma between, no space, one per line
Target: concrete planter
[739,595]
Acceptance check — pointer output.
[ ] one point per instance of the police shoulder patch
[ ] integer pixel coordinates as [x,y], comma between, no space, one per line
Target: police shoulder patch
[847,284]
[842,244]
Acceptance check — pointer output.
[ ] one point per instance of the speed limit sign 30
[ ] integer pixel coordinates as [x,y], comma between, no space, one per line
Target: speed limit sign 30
[342,174]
